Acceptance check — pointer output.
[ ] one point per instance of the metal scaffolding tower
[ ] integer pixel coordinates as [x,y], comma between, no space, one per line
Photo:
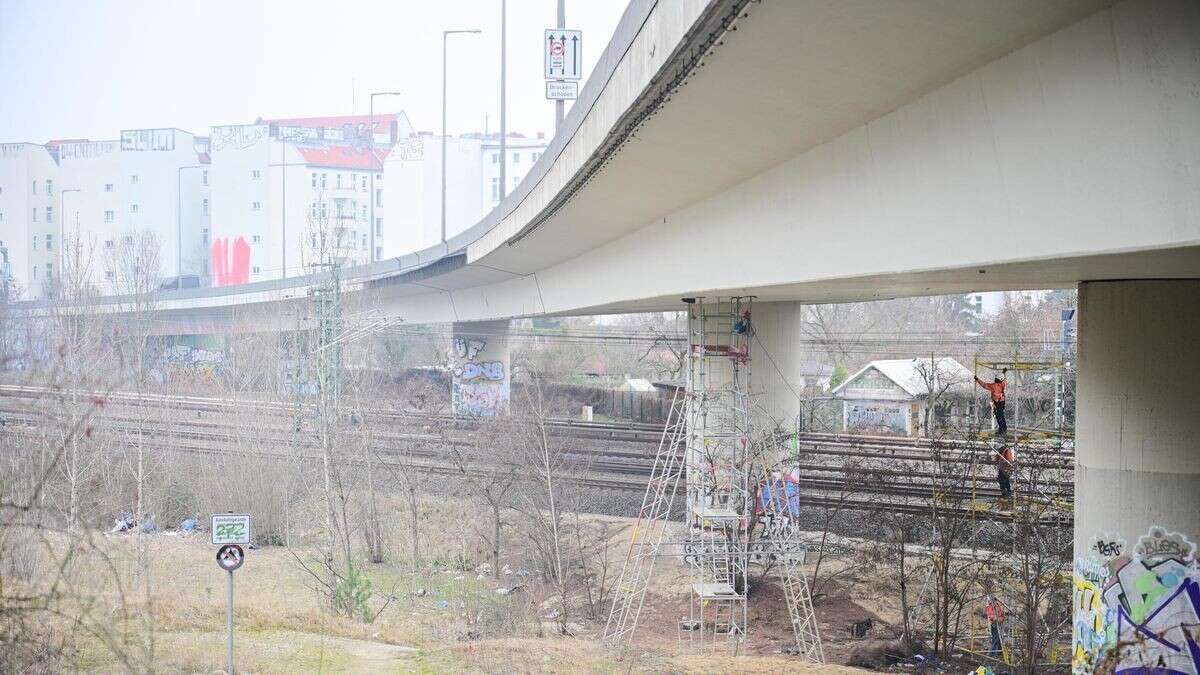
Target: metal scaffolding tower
[718,455]
[709,438]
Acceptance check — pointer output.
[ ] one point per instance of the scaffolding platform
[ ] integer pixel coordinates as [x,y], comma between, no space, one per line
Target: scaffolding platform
[715,591]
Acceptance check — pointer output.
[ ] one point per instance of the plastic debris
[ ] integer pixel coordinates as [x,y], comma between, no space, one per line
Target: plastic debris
[188,525]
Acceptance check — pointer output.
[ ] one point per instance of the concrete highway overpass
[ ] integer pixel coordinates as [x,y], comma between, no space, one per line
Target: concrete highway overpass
[827,151]
[808,151]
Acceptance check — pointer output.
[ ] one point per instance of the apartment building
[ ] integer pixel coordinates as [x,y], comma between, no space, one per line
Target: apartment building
[291,193]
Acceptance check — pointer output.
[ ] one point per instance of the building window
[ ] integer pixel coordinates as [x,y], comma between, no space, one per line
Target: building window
[49,214]
[364,241]
[339,181]
[49,191]
[323,183]
[364,183]
[495,158]
[379,227]
[133,179]
[49,242]
[35,242]
[254,239]
[516,181]
[257,206]
[35,192]
[49,271]
[127,240]
[35,271]
[255,174]
[495,189]
[1,216]
[108,275]
[108,243]
[378,252]
[35,214]
[324,212]
[108,216]
[204,177]
[133,208]
[204,207]
[536,157]
[204,235]
[255,269]
[314,179]
[108,187]
[364,212]
[378,197]
[516,158]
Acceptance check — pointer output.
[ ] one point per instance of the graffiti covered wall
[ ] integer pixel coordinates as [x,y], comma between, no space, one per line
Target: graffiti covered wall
[1137,608]
[479,388]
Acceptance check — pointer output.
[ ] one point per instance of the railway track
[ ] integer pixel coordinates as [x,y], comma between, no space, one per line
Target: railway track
[622,468]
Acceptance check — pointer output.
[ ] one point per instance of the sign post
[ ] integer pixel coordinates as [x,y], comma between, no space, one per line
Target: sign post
[563,65]
[230,531]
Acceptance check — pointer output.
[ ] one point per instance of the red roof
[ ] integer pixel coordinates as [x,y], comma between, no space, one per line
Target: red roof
[343,157]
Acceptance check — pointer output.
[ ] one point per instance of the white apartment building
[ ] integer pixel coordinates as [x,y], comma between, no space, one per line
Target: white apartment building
[148,185]
[148,188]
[413,185]
[522,153]
[28,221]
[989,303]
[287,192]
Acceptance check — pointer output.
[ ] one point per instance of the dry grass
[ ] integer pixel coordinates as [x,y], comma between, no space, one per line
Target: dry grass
[459,623]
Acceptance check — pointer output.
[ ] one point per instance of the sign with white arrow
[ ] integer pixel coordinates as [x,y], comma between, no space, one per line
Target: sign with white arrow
[564,58]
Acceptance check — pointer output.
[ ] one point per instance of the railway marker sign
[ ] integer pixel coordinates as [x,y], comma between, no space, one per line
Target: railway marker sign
[230,528]
[229,531]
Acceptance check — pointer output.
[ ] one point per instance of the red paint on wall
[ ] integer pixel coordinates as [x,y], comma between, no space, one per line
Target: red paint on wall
[230,267]
[220,263]
[239,271]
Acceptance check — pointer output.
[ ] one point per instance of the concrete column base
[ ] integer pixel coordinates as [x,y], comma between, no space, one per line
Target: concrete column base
[1137,496]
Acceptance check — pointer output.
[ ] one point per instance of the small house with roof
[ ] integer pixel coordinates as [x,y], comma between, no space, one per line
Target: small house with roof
[905,396]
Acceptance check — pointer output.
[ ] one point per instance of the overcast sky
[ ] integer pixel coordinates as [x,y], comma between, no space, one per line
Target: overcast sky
[76,69]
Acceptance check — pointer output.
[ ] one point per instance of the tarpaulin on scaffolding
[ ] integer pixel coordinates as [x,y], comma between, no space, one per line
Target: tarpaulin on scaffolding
[780,495]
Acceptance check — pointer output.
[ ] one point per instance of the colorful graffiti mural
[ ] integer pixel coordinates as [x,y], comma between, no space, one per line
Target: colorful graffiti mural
[477,389]
[230,264]
[1137,610]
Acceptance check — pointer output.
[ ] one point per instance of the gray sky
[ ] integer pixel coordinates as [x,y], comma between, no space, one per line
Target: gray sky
[75,69]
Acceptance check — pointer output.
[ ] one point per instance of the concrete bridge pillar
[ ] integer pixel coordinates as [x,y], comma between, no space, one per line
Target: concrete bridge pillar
[776,356]
[1137,494]
[481,376]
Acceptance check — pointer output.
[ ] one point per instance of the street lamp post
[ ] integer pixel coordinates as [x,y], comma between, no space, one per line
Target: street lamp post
[371,128]
[446,34]
[62,228]
[503,103]
[179,221]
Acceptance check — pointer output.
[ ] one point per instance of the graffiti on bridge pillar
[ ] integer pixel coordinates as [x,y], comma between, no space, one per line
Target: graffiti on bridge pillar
[478,388]
[1137,608]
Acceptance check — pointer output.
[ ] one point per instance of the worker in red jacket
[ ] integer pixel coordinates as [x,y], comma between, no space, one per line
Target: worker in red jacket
[996,388]
[1006,461]
[995,616]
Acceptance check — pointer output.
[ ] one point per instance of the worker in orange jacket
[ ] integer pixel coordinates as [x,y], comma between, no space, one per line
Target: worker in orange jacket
[996,388]
[995,617]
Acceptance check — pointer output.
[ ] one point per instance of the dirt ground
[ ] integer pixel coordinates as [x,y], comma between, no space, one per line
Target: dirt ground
[447,620]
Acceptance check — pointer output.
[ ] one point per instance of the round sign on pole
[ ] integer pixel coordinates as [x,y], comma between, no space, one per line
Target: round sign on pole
[230,557]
